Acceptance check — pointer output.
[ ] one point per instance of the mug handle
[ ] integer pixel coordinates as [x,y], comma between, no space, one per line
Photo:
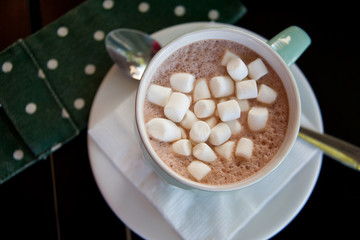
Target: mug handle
[290,43]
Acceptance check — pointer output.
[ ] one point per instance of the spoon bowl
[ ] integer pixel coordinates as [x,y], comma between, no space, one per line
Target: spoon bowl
[131,50]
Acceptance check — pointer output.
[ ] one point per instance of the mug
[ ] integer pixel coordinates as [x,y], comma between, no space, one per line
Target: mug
[280,52]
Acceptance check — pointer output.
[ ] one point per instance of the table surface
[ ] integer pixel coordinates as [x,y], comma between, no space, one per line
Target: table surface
[58,198]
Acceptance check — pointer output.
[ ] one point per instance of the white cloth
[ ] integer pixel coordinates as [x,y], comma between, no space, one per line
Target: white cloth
[193,215]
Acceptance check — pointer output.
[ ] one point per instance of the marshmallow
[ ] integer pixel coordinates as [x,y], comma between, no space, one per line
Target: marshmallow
[219,134]
[183,133]
[237,69]
[243,103]
[211,122]
[201,90]
[204,108]
[177,106]
[227,57]
[223,100]
[199,132]
[188,120]
[182,82]
[163,129]
[225,150]
[244,148]
[228,110]
[203,152]
[182,147]
[158,95]
[198,169]
[266,94]
[221,86]
[190,98]
[235,126]
[257,69]
[257,118]
[246,89]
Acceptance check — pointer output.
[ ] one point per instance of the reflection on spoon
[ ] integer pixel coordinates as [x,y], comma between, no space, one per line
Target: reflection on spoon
[132,50]
[335,148]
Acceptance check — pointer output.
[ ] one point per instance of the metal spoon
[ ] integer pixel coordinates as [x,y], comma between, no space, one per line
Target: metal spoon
[132,50]
[342,151]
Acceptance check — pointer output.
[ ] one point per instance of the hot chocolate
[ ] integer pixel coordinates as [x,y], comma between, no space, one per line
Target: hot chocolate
[204,60]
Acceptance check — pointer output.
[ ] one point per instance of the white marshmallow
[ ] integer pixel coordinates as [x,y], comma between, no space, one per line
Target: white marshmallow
[182,147]
[158,95]
[190,98]
[246,89]
[257,69]
[203,152]
[221,86]
[183,133]
[182,82]
[223,99]
[228,110]
[235,126]
[266,94]
[188,120]
[211,122]
[244,148]
[163,129]
[227,57]
[225,150]
[199,132]
[201,90]
[257,118]
[219,134]
[237,69]
[198,169]
[243,103]
[204,108]
[177,106]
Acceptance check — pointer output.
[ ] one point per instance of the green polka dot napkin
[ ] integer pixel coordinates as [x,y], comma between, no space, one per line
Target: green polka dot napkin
[48,80]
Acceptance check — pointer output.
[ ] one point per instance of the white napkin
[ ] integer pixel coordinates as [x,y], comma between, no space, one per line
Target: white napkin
[193,215]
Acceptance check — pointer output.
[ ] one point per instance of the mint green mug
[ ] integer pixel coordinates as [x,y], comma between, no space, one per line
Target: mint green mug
[280,52]
[290,43]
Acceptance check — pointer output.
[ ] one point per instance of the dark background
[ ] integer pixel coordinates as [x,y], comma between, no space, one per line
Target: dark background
[59,199]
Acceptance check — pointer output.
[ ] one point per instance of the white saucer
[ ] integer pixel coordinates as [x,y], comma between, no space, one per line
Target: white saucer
[140,215]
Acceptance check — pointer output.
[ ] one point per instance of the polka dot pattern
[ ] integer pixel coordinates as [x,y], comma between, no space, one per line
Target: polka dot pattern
[18,154]
[64,113]
[79,103]
[213,14]
[30,108]
[7,67]
[52,64]
[90,69]
[179,10]
[108,4]
[62,31]
[99,35]
[59,81]
[144,7]
[41,74]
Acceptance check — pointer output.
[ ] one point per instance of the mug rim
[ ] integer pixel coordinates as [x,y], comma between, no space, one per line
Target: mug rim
[163,169]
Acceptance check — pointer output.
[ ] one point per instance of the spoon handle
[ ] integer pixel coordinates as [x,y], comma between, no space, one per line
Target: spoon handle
[335,148]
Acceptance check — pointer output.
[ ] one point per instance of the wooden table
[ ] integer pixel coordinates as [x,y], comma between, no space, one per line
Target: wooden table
[58,198]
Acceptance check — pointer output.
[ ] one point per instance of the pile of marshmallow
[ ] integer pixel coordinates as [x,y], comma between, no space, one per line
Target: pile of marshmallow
[206,136]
